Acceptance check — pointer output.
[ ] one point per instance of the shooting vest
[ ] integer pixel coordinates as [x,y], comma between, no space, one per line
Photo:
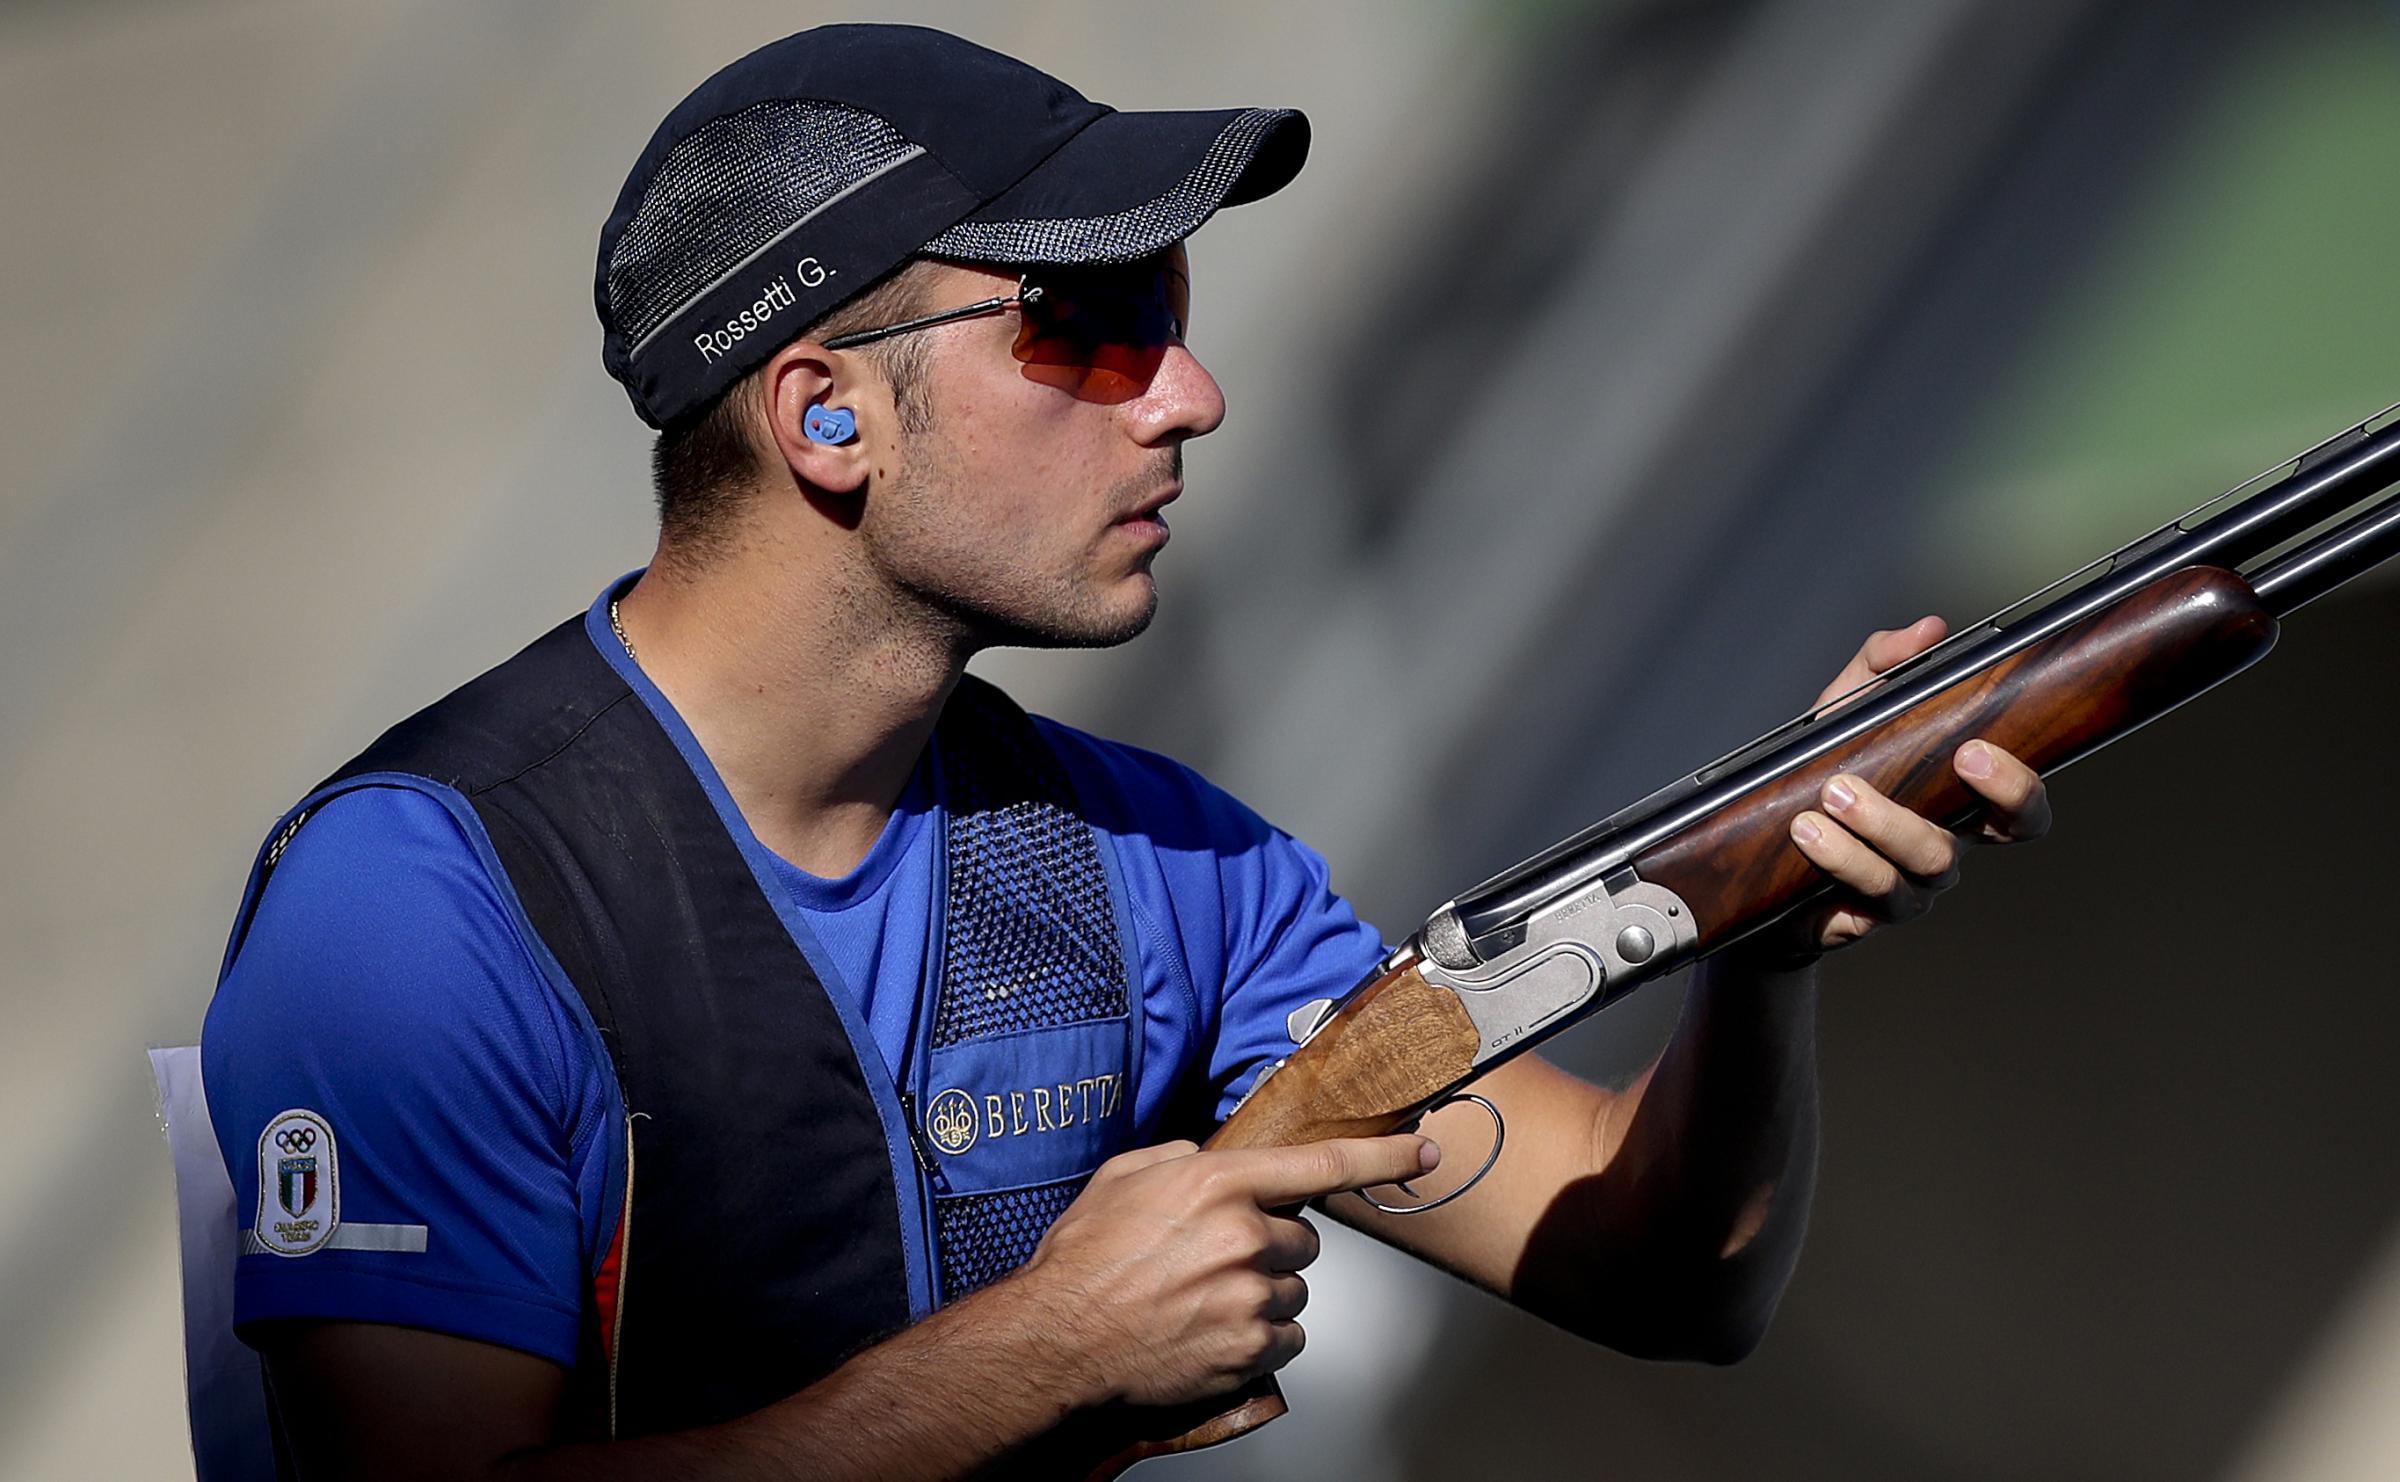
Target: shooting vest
[784,1200]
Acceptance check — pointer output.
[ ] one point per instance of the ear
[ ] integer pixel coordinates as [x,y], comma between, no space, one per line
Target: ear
[802,375]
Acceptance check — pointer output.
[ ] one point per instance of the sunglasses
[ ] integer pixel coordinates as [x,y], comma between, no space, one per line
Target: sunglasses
[1098,331]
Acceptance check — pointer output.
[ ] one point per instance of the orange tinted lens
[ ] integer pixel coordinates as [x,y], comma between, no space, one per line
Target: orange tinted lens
[1114,375]
[1118,320]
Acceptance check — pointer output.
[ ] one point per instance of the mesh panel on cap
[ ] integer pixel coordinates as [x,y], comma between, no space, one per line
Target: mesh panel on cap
[1121,236]
[728,190]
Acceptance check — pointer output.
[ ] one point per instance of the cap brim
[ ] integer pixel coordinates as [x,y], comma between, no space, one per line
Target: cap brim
[1130,184]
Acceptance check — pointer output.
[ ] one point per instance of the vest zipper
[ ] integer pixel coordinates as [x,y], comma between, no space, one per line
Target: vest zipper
[916,1144]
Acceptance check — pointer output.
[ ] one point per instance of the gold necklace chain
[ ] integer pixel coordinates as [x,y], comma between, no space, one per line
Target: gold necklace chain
[618,624]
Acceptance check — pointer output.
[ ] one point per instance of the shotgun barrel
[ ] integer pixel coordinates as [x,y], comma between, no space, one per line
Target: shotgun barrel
[2349,550]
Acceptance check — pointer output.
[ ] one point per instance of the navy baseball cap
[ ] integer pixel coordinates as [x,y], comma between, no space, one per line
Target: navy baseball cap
[801,175]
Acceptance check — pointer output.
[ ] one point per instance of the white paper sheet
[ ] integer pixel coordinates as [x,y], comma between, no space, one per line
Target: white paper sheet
[224,1389]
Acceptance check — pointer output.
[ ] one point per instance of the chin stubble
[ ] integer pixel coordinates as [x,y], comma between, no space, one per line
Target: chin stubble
[1007,609]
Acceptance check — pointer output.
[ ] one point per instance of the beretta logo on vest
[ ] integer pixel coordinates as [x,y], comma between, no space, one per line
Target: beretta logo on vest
[955,1120]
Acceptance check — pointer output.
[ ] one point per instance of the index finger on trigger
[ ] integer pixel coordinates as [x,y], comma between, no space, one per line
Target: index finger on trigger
[1293,1175]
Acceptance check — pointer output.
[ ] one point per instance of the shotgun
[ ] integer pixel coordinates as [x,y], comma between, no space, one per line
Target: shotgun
[1702,863]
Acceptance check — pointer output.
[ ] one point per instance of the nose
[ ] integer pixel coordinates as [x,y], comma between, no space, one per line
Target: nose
[1182,400]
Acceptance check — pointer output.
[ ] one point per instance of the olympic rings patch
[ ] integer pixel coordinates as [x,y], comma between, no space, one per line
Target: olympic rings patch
[299,1184]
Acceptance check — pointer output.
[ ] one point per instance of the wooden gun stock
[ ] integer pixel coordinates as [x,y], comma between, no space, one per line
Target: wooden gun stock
[1400,1042]
[1396,1044]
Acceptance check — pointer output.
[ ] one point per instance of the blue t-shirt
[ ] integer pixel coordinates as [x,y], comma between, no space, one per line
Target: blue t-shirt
[387,1011]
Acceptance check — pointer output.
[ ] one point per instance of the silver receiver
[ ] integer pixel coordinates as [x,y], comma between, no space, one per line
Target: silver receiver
[1582,950]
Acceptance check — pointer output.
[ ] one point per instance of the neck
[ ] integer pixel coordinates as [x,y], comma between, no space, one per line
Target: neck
[811,696]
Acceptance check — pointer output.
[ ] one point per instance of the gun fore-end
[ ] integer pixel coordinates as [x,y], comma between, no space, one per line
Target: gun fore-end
[2053,703]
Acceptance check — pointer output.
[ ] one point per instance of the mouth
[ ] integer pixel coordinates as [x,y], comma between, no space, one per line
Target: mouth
[1146,518]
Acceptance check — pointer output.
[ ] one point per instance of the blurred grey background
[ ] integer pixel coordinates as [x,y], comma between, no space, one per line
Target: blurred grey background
[1614,366]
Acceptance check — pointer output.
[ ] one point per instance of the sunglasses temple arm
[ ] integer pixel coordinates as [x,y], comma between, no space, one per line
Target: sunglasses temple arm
[907,326]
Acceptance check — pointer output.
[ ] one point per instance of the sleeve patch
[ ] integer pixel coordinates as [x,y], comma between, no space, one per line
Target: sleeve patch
[299,1185]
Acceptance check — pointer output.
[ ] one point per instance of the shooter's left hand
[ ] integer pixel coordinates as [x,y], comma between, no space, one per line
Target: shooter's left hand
[1892,862]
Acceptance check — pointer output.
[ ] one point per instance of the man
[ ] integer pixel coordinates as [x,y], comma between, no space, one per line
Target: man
[725,1041]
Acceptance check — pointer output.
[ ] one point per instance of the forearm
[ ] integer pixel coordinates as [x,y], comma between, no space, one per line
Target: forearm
[1662,1220]
[1170,1280]
[1719,1144]
[945,1398]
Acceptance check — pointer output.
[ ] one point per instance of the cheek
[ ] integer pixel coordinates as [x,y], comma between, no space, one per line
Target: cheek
[1025,448]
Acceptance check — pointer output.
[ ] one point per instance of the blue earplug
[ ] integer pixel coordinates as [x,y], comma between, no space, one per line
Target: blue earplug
[830,424]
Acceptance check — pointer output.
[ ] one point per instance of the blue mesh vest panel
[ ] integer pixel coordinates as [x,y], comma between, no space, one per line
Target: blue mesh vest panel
[1030,942]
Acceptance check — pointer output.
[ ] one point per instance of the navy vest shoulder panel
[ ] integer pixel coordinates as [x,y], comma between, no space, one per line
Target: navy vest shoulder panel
[761,1238]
